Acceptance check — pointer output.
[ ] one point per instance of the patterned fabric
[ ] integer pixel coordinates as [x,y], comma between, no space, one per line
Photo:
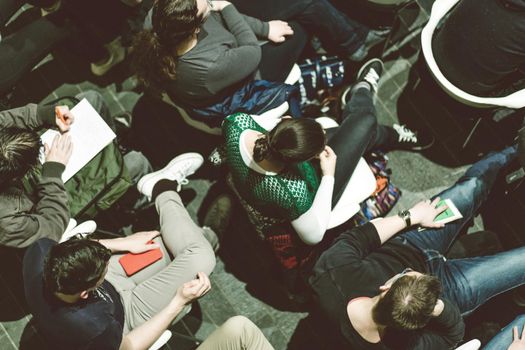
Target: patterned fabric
[290,251]
[286,195]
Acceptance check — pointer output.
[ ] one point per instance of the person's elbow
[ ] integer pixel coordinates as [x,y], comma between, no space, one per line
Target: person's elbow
[311,238]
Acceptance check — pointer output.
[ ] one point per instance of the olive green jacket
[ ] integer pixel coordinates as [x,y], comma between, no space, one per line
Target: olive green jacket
[27,217]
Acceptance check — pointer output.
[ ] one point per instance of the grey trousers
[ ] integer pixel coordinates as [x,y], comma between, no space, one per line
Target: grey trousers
[150,290]
[238,333]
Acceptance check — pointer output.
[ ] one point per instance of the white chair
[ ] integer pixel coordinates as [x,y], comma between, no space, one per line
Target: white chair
[516,100]
[293,77]
[163,339]
[474,344]
[440,8]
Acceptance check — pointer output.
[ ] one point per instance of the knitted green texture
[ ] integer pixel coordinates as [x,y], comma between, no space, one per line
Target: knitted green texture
[287,195]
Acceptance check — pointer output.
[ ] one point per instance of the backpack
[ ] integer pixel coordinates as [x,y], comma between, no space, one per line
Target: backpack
[320,73]
[98,185]
[386,194]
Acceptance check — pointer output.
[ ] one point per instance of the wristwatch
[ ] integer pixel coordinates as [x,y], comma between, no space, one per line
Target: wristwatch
[405,215]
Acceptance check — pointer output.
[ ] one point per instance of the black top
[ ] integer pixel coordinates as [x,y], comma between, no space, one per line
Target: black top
[94,323]
[480,46]
[356,265]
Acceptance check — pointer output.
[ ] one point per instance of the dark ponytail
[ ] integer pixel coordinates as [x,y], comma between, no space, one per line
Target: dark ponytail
[291,141]
[154,58]
[261,150]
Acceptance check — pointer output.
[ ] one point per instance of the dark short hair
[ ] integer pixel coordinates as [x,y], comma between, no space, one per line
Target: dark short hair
[409,302]
[19,153]
[75,266]
[292,141]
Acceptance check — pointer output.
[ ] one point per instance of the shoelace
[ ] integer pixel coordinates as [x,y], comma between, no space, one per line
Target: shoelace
[405,134]
[372,78]
[180,176]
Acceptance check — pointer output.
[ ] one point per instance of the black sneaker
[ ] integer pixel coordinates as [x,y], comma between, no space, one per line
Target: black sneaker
[370,73]
[410,140]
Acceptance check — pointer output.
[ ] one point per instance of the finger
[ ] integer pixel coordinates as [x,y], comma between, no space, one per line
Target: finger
[441,209]
[70,118]
[153,234]
[152,246]
[515,333]
[435,201]
[523,333]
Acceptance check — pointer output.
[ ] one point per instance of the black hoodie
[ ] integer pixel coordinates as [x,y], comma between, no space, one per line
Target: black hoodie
[481,45]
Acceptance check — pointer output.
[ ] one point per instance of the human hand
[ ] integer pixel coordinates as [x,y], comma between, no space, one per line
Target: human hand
[139,242]
[219,5]
[60,150]
[517,344]
[327,160]
[193,289]
[278,31]
[63,118]
[424,213]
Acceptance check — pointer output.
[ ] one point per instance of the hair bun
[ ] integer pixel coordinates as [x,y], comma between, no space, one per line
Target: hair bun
[261,150]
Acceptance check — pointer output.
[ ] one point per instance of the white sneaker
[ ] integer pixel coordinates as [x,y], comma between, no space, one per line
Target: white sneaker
[85,229]
[178,169]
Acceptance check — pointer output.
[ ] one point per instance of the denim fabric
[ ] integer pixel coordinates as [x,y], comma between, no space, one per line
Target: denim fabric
[337,32]
[504,338]
[470,282]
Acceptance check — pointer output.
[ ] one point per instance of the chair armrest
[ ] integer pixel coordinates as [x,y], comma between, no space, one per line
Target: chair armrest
[474,344]
[163,339]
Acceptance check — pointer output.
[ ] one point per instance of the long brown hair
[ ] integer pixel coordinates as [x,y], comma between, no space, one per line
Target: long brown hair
[153,50]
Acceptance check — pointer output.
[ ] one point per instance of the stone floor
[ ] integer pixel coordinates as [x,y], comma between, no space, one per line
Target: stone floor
[244,281]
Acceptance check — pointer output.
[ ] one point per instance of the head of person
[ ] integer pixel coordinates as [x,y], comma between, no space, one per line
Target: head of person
[407,301]
[291,141]
[75,268]
[19,153]
[173,23]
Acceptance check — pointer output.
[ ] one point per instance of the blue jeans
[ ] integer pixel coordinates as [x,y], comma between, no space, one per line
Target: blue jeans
[504,338]
[470,282]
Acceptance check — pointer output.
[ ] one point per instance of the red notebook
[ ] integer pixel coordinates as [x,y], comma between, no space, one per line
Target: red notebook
[133,263]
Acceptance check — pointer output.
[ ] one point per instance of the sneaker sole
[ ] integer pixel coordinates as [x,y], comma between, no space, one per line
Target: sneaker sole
[361,70]
[184,156]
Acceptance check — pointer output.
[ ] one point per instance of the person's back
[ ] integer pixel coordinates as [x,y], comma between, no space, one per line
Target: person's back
[287,194]
[480,45]
[94,323]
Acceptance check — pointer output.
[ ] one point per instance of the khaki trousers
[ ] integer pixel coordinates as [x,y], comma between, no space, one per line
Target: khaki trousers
[150,290]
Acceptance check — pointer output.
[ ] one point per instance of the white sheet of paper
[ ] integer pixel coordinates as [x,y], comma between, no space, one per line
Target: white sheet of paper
[89,133]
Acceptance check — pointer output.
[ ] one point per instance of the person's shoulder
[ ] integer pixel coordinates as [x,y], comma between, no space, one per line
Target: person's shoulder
[40,247]
[239,120]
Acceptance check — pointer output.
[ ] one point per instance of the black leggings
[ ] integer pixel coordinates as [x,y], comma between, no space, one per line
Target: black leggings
[358,134]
